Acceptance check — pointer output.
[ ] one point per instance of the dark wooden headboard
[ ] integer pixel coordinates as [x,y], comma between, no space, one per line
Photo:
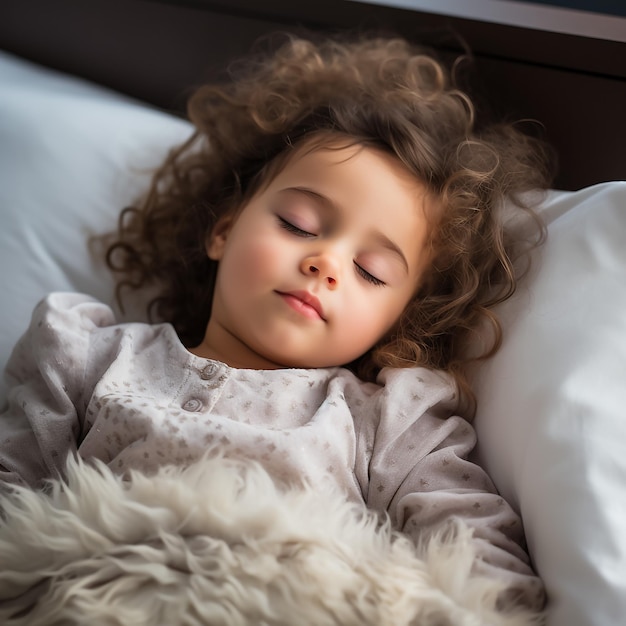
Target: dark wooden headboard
[158,50]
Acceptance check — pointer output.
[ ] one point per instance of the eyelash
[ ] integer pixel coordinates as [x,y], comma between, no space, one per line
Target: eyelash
[368,277]
[299,232]
[294,229]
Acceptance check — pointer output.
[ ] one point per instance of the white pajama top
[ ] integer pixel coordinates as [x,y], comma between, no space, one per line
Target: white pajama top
[133,396]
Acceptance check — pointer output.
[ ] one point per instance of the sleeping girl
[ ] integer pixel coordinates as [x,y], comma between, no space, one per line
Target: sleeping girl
[322,257]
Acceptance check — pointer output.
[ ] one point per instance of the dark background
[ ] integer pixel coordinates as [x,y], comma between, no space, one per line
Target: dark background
[158,50]
[610,7]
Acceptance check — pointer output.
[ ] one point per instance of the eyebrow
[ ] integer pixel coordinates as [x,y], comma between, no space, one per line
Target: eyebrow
[380,237]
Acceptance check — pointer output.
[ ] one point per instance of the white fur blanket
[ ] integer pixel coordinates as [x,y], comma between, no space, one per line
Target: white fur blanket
[220,543]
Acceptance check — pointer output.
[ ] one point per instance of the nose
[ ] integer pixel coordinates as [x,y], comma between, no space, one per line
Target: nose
[323,267]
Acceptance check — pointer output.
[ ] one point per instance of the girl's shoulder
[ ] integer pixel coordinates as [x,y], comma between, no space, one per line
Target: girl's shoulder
[401,381]
[403,391]
[59,341]
[394,378]
[70,313]
[64,316]
[75,331]
[62,306]
[419,388]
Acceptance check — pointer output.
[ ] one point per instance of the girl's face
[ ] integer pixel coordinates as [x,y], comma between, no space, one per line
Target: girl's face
[320,264]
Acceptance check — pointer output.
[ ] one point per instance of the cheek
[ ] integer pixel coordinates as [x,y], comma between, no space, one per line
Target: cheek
[252,261]
[370,317]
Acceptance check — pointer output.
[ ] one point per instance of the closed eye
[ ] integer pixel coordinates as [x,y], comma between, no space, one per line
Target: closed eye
[292,228]
[299,232]
[370,278]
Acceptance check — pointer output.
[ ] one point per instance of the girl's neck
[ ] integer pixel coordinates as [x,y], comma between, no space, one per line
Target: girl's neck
[229,350]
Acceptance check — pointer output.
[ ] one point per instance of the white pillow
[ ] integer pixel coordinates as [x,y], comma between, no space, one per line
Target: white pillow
[552,407]
[550,402]
[72,155]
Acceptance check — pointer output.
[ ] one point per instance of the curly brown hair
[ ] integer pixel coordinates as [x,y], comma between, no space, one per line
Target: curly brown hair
[382,93]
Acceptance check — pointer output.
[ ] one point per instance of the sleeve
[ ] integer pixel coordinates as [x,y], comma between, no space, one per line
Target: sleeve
[420,474]
[45,377]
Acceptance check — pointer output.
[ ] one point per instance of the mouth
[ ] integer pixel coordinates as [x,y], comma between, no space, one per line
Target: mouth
[304,303]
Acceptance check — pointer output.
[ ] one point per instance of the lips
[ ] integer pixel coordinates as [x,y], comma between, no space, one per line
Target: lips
[303,302]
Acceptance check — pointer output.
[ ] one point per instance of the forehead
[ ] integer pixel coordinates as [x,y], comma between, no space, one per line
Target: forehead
[341,160]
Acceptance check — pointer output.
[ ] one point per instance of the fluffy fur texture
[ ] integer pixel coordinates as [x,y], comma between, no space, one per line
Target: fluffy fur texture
[218,543]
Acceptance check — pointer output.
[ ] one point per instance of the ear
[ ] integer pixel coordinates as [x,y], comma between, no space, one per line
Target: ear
[216,240]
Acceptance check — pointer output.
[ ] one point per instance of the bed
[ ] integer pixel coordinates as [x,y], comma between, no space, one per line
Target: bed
[91,98]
